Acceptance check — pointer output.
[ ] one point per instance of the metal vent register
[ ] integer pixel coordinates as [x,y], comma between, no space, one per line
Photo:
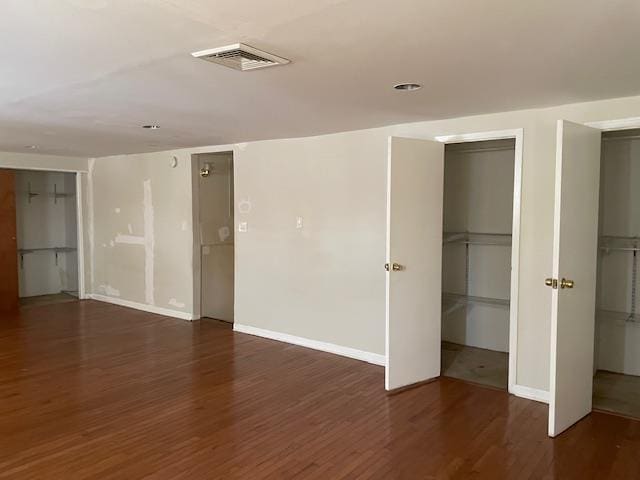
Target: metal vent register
[240,57]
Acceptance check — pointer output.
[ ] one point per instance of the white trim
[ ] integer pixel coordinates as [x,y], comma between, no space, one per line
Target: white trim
[80,236]
[387,295]
[167,312]
[619,124]
[481,136]
[530,393]
[368,357]
[518,135]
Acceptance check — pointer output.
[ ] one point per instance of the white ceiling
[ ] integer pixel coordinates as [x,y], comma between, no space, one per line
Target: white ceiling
[79,77]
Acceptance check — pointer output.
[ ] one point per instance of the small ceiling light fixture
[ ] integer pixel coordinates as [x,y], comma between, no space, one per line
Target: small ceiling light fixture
[151,127]
[31,147]
[408,87]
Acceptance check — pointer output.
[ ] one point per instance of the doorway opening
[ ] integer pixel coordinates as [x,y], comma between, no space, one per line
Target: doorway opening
[452,258]
[45,236]
[616,383]
[476,261]
[215,234]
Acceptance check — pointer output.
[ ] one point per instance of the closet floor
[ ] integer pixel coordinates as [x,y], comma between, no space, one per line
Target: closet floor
[614,392]
[476,365]
[47,299]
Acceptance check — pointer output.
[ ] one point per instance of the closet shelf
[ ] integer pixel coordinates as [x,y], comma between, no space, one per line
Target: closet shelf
[56,251]
[477,238]
[23,251]
[619,316]
[453,301]
[619,243]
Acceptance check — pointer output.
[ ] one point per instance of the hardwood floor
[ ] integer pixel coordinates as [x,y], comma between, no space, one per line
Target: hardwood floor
[92,390]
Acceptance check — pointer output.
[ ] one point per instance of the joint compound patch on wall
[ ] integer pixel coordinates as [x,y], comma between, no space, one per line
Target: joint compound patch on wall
[130,239]
[149,243]
[109,291]
[175,303]
[244,205]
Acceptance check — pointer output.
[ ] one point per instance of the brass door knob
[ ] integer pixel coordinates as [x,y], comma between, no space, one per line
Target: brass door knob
[566,283]
[396,267]
[548,282]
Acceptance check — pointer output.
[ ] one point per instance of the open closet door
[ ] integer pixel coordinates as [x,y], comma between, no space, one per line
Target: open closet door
[8,244]
[573,284]
[414,260]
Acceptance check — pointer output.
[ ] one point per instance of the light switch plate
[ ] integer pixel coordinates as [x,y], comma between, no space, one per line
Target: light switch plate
[243,227]
[299,222]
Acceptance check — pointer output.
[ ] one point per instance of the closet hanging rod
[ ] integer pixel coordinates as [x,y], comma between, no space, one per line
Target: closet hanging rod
[622,137]
[619,237]
[466,299]
[621,249]
[480,234]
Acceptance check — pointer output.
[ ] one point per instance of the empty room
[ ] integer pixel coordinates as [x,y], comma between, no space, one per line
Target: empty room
[319,239]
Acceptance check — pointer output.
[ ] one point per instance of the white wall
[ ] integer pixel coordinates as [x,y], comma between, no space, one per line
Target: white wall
[326,281]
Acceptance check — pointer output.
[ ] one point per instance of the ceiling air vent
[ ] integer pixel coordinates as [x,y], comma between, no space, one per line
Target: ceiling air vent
[240,57]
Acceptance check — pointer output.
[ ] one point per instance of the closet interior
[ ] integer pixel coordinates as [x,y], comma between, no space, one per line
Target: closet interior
[47,236]
[617,334]
[476,260]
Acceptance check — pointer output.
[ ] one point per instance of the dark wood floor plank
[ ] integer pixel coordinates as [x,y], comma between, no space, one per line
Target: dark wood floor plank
[90,390]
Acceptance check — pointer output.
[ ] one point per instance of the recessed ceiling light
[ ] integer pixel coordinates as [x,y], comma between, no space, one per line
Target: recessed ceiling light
[31,147]
[151,127]
[408,87]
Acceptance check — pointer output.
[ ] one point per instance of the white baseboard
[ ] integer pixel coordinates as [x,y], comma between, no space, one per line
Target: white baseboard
[530,393]
[167,312]
[368,357]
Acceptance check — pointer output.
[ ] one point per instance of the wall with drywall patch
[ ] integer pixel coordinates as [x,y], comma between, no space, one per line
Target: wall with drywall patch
[141,235]
[287,278]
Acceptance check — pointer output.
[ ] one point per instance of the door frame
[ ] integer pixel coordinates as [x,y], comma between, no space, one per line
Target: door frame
[516,134]
[80,217]
[195,222]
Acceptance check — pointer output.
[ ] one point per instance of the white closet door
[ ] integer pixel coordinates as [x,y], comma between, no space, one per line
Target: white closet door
[414,260]
[574,259]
